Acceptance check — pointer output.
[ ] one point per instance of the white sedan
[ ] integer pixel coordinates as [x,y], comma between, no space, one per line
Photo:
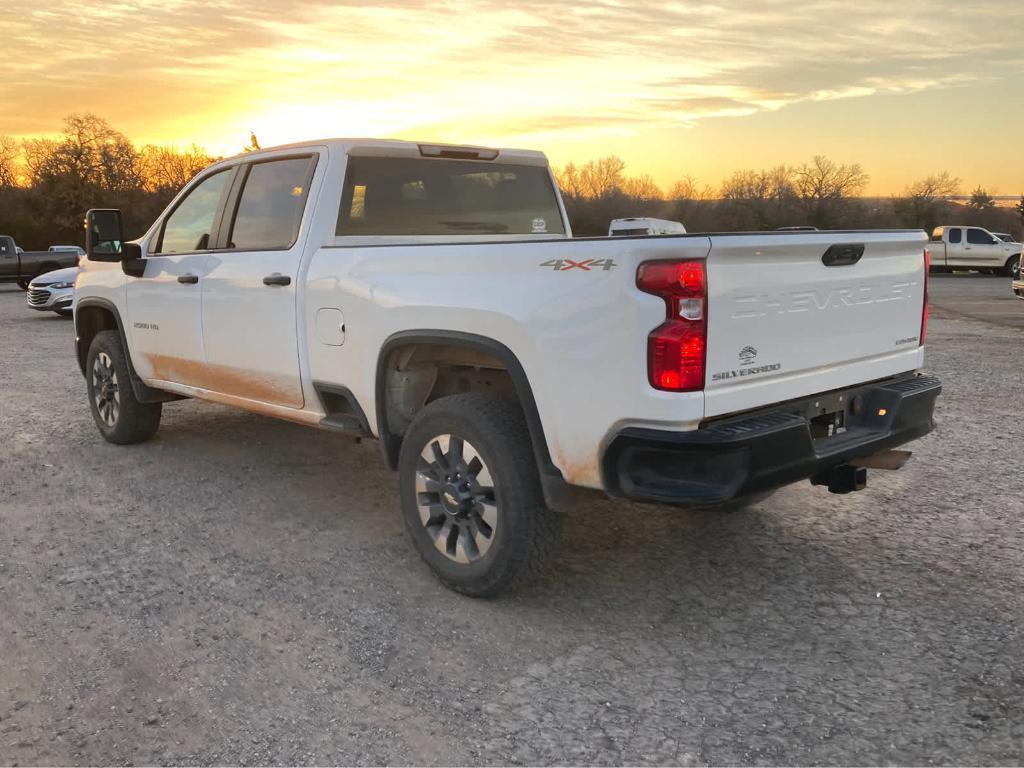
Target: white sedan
[53,291]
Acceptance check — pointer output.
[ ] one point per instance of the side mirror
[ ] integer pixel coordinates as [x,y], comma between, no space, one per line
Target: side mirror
[104,236]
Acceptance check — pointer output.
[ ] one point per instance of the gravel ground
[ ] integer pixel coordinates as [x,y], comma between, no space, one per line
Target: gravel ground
[239,590]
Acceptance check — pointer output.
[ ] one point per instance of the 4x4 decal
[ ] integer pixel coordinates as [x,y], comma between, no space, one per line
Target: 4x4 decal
[564,265]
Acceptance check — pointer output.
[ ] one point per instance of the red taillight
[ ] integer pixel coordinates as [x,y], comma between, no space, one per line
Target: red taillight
[676,349]
[924,310]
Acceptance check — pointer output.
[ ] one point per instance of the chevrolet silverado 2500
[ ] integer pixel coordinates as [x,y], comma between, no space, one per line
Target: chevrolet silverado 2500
[432,297]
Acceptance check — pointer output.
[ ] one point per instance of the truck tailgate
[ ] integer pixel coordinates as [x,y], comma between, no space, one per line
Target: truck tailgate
[782,324]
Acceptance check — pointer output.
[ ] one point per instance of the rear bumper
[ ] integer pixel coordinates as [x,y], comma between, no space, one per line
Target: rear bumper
[1018,288]
[756,452]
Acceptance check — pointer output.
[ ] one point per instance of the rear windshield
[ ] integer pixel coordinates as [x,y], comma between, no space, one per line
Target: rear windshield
[420,196]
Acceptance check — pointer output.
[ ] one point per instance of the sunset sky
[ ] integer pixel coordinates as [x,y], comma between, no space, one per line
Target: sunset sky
[700,89]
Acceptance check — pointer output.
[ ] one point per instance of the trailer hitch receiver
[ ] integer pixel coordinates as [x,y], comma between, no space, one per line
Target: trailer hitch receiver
[844,478]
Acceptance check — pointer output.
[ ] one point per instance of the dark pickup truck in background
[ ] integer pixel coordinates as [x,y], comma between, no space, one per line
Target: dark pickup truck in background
[22,267]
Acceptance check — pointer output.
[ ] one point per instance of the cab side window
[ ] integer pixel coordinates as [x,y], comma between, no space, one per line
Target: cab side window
[954,235]
[188,228]
[271,205]
[978,237]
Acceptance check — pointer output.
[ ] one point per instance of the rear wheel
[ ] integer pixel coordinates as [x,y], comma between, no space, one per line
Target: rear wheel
[1012,267]
[471,495]
[120,417]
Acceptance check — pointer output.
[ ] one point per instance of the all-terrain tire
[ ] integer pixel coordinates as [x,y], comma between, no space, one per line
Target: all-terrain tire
[120,417]
[523,539]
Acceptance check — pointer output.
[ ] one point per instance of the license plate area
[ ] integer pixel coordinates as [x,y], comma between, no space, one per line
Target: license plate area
[826,416]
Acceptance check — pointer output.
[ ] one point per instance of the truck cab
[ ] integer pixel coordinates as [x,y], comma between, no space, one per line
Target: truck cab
[964,247]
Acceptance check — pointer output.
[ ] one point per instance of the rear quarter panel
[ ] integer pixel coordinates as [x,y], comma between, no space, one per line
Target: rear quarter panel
[579,334]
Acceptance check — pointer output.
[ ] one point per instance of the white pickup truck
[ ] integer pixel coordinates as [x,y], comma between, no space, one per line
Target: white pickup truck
[973,248]
[432,297]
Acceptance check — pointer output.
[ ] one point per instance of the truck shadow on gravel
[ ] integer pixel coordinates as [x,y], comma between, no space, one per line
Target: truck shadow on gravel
[276,474]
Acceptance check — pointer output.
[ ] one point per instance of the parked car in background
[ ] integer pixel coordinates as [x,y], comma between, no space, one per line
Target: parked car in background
[22,267]
[54,291]
[433,297]
[644,226]
[959,247]
[72,248]
[798,228]
[1006,237]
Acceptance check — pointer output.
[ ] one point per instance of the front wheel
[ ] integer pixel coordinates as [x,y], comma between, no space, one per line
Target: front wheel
[1012,267]
[471,495]
[121,418]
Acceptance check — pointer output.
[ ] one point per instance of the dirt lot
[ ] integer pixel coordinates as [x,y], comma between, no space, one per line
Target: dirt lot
[240,590]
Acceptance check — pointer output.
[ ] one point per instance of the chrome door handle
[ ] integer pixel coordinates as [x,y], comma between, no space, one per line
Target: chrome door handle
[189,279]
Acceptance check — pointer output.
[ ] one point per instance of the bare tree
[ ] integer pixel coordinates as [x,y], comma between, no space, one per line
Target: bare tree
[602,178]
[569,181]
[688,188]
[89,153]
[922,202]
[166,170]
[9,152]
[641,188]
[824,187]
[759,199]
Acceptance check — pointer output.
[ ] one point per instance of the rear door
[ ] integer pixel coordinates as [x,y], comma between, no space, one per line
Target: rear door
[796,314]
[250,287]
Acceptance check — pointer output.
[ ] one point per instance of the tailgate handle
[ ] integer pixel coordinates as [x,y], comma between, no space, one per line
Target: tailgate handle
[842,254]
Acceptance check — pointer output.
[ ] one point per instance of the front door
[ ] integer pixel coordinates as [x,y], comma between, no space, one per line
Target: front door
[982,249]
[250,285]
[8,259]
[164,314]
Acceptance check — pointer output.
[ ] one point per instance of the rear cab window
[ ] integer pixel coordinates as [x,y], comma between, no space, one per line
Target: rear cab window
[429,196]
[954,235]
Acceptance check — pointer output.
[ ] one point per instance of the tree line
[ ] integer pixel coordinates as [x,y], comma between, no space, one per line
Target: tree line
[819,193]
[46,185]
